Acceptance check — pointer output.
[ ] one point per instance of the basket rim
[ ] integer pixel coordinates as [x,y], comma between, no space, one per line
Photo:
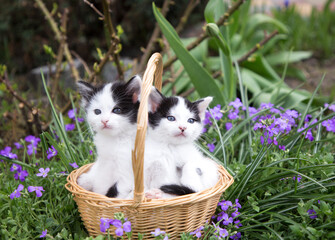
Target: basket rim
[91,198]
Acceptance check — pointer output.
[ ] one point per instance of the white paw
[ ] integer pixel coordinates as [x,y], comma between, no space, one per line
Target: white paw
[154,194]
[85,182]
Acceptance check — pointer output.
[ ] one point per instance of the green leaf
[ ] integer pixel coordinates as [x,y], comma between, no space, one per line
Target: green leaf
[288,57]
[201,79]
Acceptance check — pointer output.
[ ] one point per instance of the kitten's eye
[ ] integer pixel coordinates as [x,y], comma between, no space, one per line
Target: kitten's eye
[116,110]
[191,120]
[171,118]
[97,111]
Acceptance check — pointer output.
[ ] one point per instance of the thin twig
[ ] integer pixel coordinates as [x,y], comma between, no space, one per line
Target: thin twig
[58,36]
[153,39]
[257,46]
[87,69]
[204,35]
[113,38]
[32,109]
[190,7]
[95,9]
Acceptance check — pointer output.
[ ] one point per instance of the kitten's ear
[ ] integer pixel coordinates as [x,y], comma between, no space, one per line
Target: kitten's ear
[86,91]
[133,87]
[202,105]
[155,99]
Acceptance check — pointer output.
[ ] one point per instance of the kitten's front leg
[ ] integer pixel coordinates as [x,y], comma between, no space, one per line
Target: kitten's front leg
[85,181]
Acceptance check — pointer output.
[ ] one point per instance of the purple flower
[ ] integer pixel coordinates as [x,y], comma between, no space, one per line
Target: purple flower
[91,152]
[236,104]
[292,113]
[233,115]
[332,107]
[312,213]
[51,152]
[235,214]
[211,147]
[18,145]
[38,190]
[69,127]
[238,224]
[229,125]
[7,153]
[237,204]
[226,219]
[197,232]
[32,140]
[15,167]
[281,147]
[207,120]
[225,205]
[126,227]
[329,125]
[17,192]
[298,178]
[222,233]
[44,233]
[105,224]
[157,232]
[43,172]
[31,149]
[216,112]
[266,105]
[80,119]
[21,175]
[74,165]
[258,126]
[262,139]
[72,113]
[236,236]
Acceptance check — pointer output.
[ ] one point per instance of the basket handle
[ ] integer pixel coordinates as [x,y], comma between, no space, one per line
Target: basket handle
[153,73]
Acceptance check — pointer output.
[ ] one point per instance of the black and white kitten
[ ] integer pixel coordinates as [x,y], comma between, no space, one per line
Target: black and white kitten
[174,125]
[111,112]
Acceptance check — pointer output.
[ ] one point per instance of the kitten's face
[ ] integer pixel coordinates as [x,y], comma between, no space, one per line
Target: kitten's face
[112,108]
[178,121]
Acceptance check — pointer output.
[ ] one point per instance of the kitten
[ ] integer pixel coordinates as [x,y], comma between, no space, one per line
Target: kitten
[111,112]
[174,125]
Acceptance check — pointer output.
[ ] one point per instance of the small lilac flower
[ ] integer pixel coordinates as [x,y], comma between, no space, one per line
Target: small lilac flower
[312,213]
[7,153]
[236,236]
[266,105]
[298,178]
[332,107]
[229,125]
[18,145]
[207,120]
[292,113]
[104,224]
[281,147]
[51,152]
[275,110]
[197,232]
[91,152]
[262,139]
[17,192]
[74,165]
[329,125]
[226,219]
[225,205]
[236,104]
[126,227]
[43,172]
[211,147]
[32,140]
[258,126]
[31,149]
[222,233]
[69,127]
[237,204]
[80,119]
[238,224]
[216,112]
[38,190]
[15,167]
[44,233]
[72,113]
[235,214]
[233,115]
[157,232]
[21,175]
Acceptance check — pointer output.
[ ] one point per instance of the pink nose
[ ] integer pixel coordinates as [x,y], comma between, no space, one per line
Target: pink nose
[104,122]
[182,128]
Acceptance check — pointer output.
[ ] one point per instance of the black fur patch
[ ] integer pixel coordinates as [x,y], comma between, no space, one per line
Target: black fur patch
[193,107]
[163,110]
[91,90]
[175,189]
[124,100]
[112,191]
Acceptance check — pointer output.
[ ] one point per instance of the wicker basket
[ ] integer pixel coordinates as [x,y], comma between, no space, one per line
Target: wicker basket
[174,215]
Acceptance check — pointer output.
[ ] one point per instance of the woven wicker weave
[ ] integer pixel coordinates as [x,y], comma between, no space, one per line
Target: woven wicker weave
[174,215]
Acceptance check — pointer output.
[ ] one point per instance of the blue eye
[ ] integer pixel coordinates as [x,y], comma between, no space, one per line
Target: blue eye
[171,118]
[116,110]
[191,120]
[97,111]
